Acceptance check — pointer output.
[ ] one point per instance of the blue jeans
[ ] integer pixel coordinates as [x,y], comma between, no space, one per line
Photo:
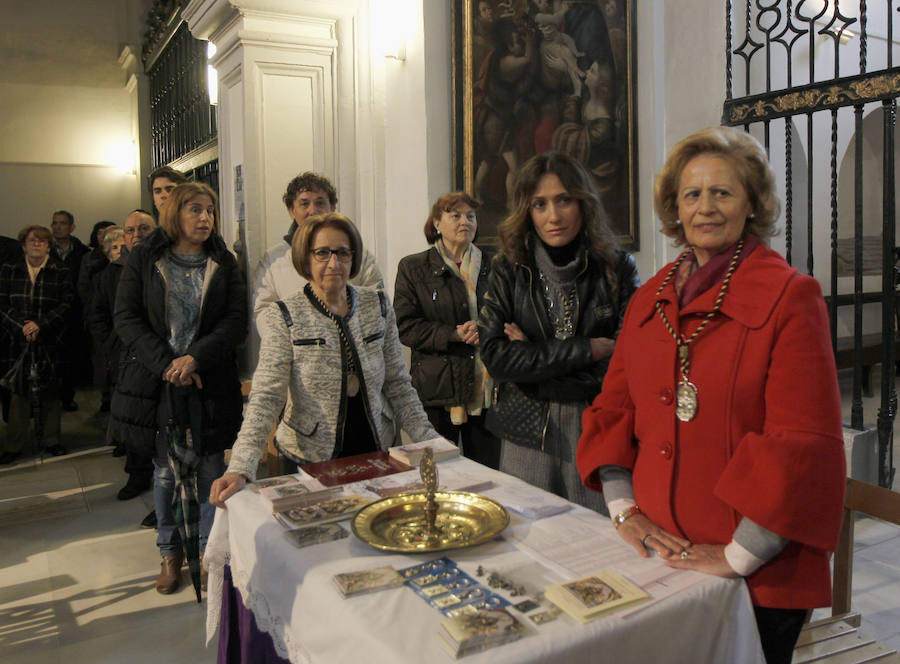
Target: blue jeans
[168,540]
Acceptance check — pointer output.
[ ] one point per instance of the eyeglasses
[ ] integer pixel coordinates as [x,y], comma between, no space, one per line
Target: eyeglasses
[323,254]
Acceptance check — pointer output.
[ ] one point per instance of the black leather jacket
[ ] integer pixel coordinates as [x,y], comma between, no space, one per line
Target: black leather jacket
[544,367]
[430,301]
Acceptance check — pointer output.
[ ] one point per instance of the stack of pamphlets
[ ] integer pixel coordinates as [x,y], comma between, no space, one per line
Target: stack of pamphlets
[366,581]
[412,454]
[322,507]
[595,595]
[467,633]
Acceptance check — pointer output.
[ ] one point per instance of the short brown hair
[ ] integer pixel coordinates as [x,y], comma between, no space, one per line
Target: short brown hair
[41,232]
[309,181]
[165,172]
[445,204]
[753,170]
[595,231]
[306,233]
[65,213]
[180,196]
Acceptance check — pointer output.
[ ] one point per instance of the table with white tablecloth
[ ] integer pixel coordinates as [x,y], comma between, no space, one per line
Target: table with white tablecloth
[294,601]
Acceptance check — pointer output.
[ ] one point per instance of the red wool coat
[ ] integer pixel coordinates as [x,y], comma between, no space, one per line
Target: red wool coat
[766,442]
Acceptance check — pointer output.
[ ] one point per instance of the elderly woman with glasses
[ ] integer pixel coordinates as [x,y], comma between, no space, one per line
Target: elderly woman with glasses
[329,354]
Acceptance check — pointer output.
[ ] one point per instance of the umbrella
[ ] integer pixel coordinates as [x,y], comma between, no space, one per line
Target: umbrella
[34,378]
[184,461]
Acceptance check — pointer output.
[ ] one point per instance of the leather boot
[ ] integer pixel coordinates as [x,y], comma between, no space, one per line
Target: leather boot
[170,574]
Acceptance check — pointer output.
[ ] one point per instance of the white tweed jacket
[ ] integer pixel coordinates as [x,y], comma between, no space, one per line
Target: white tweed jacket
[301,369]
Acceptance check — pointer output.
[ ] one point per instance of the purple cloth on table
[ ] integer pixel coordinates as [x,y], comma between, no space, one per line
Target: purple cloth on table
[240,640]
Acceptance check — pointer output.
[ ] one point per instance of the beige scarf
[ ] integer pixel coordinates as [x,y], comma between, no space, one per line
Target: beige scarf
[468,271]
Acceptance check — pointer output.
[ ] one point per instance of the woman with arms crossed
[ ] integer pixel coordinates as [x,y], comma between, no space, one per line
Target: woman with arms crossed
[558,291]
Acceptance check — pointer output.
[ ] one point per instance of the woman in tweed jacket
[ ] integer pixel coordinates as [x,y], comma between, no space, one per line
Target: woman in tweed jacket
[331,351]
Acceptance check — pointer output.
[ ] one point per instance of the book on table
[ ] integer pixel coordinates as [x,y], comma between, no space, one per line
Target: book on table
[367,580]
[468,633]
[347,470]
[412,454]
[595,595]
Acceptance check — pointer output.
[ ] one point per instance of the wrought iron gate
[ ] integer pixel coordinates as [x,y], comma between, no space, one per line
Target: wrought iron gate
[812,73]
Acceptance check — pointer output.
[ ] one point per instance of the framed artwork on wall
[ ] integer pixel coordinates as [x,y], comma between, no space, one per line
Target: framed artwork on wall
[537,75]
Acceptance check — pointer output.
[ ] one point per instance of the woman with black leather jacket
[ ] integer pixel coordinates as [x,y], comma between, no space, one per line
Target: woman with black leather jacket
[556,298]
[437,296]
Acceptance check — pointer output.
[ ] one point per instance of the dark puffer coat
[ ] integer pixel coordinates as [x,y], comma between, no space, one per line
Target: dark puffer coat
[430,301]
[141,325]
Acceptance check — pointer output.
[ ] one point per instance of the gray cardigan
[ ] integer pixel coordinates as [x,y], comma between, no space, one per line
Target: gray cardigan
[302,364]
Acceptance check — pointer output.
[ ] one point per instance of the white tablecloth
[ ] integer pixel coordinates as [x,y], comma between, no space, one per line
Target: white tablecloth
[290,592]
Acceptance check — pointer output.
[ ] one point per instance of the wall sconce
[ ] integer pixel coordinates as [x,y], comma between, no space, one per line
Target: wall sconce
[122,157]
[212,76]
[391,20]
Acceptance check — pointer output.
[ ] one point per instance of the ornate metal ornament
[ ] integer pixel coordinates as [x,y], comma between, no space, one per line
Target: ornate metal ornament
[686,401]
[429,521]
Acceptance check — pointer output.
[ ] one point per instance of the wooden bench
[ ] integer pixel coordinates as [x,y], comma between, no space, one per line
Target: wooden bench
[838,639]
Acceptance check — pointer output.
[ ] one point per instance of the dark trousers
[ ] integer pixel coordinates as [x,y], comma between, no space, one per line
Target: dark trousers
[476,441]
[778,632]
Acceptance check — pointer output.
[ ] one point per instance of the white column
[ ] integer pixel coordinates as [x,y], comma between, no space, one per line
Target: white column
[293,96]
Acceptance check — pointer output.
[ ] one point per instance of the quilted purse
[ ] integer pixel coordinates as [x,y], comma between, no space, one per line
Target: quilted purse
[517,417]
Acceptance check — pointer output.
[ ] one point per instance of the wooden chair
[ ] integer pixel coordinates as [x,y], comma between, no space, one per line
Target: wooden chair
[271,460]
[838,640]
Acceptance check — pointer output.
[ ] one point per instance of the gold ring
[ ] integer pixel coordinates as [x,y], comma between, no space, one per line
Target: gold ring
[685,555]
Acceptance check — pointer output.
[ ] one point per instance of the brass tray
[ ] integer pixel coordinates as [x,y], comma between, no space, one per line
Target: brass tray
[398,523]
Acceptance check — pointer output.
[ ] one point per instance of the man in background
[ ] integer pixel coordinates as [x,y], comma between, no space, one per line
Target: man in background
[138,226]
[161,182]
[68,250]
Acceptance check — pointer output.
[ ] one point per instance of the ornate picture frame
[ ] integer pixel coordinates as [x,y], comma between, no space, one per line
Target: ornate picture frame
[535,75]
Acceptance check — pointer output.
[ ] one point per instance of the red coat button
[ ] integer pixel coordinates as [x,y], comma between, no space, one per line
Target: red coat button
[666,395]
[666,450]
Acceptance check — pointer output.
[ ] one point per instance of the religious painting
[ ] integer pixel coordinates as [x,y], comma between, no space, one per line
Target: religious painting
[536,75]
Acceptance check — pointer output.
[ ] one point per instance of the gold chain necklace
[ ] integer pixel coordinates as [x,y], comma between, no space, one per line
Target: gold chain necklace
[352,377]
[686,395]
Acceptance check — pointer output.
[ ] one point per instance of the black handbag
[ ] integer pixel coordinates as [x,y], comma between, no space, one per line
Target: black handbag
[516,416]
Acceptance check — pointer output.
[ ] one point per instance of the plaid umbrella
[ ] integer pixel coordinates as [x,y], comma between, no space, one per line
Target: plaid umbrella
[184,461]
[36,406]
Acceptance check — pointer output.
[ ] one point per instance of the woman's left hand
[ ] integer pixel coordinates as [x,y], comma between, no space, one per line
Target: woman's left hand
[706,558]
[30,330]
[182,371]
[514,332]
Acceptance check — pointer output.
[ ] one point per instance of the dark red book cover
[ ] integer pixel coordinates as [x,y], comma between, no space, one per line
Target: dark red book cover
[355,468]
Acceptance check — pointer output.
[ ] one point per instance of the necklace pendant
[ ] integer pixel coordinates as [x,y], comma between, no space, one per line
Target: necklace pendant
[686,400]
[352,385]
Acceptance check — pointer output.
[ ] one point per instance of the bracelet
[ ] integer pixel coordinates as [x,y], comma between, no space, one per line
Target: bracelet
[625,514]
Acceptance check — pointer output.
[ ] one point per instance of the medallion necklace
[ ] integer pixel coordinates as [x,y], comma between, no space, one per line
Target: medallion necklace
[686,395]
[352,371]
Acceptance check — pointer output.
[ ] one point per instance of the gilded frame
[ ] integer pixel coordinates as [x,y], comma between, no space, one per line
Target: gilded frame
[538,106]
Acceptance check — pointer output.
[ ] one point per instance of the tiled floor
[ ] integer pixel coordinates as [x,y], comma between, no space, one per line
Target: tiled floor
[77,573]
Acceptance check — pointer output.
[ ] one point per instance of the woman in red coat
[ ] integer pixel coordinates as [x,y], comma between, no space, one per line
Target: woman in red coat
[717,437]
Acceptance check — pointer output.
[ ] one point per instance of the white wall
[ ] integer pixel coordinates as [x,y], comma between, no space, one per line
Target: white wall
[66,110]
[57,150]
